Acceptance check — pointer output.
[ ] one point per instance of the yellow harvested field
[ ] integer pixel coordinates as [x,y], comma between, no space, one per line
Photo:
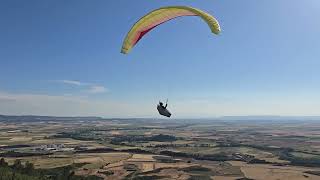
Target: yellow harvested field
[44,162]
[57,141]
[174,174]
[90,160]
[66,141]
[97,160]
[115,132]
[142,158]
[273,174]
[269,172]
[19,139]
[173,165]
[110,157]
[52,162]
[8,126]
[147,167]
[183,142]
[189,134]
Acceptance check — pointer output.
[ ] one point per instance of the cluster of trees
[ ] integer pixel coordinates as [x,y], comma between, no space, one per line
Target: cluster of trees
[209,157]
[15,146]
[18,171]
[299,161]
[26,171]
[178,145]
[317,173]
[160,138]
[21,154]
[108,150]
[258,161]
[283,153]
[259,147]
[81,135]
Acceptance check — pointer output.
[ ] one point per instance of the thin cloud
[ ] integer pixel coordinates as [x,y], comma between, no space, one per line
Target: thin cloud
[97,89]
[72,82]
[6,99]
[59,105]
[88,87]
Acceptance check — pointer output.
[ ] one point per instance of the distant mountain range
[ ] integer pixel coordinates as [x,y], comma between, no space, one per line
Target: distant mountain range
[223,118]
[45,118]
[269,118]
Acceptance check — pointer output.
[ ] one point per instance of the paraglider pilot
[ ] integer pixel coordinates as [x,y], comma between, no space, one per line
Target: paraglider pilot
[161,104]
[163,109]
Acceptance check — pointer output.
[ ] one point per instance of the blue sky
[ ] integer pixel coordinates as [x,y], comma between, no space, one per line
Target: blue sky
[63,58]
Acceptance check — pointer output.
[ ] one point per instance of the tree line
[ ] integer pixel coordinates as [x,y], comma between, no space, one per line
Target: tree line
[27,171]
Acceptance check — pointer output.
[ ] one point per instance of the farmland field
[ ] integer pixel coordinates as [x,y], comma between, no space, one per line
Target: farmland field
[140,148]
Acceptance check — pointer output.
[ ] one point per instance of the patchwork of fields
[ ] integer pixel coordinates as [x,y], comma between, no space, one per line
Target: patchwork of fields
[158,149]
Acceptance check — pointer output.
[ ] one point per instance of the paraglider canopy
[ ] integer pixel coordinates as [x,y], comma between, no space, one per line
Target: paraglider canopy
[162,15]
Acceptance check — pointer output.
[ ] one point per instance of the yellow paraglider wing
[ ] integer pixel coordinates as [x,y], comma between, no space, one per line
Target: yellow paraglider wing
[162,15]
